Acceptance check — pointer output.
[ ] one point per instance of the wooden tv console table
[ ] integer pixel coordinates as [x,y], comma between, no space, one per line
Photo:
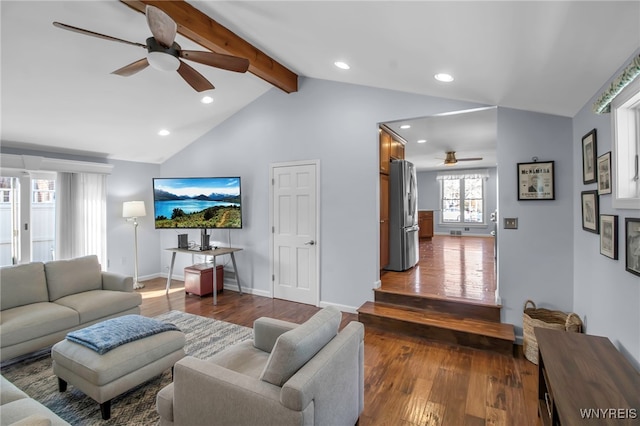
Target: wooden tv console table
[583,379]
[214,253]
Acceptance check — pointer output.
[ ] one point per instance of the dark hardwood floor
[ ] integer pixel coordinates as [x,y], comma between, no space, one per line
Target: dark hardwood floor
[408,380]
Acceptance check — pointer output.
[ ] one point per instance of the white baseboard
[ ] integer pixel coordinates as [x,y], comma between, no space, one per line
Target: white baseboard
[342,308]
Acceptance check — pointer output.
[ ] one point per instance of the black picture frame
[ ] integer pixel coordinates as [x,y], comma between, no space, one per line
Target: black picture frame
[604,173]
[536,181]
[609,236]
[590,211]
[632,245]
[589,157]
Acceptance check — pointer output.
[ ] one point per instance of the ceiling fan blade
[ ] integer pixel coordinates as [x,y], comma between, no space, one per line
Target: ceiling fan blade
[218,60]
[91,33]
[470,159]
[161,25]
[194,78]
[132,68]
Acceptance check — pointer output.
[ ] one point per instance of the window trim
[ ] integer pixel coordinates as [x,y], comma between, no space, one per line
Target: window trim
[482,224]
[626,147]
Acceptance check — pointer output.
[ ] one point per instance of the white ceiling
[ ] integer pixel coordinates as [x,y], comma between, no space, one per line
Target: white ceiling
[58,93]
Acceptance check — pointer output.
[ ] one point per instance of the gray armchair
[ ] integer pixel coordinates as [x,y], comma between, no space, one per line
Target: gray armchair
[289,374]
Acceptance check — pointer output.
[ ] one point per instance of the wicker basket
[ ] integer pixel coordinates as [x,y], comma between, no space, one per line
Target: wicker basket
[539,317]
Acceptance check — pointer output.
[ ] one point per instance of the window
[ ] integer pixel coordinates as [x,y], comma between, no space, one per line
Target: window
[43,190]
[626,147]
[27,219]
[462,199]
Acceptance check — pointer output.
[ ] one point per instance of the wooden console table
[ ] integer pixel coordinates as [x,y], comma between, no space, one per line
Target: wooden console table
[583,379]
[214,253]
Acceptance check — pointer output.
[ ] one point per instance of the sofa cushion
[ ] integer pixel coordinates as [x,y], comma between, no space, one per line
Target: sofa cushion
[9,392]
[243,358]
[18,410]
[65,277]
[294,348]
[22,284]
[96,304]
[25,323]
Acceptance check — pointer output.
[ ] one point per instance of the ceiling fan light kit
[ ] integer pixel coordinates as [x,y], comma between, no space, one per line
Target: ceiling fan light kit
[163,58]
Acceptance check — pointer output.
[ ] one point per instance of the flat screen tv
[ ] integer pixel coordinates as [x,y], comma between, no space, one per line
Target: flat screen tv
[197,202]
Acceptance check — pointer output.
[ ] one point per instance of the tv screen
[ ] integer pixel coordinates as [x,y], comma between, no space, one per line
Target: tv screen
[205,203]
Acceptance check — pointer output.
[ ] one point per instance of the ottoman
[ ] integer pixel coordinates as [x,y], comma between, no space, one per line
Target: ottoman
[103,377]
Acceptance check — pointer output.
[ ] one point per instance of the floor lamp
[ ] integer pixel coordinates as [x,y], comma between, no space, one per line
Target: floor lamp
[132,210]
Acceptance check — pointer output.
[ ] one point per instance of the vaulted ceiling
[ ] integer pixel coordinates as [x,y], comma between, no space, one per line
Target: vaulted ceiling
[58,93]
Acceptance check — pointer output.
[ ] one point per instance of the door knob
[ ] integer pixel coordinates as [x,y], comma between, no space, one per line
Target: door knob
[310,243]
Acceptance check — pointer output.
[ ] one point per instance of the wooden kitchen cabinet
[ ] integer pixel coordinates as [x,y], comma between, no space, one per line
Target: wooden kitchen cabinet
[385,151]
[425,222]
[384,220]
[397,149]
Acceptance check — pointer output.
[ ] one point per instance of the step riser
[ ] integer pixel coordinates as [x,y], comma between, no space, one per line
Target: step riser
[486,313]
[454,337]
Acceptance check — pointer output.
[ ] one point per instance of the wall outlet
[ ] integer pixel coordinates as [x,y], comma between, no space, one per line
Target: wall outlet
[510,223]
[466,228]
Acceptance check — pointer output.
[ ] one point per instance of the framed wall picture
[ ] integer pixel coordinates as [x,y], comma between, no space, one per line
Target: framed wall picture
[632,244]
[590,213]
[536,181]
[609,235]
[589,153]
[604,173]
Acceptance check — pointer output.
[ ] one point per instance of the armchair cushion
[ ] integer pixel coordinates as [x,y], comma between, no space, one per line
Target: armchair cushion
[295,347]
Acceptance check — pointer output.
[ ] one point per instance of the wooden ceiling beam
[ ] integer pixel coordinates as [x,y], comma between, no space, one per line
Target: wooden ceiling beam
[203,30]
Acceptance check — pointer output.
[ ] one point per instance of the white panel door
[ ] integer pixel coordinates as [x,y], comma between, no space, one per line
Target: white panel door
[295,245]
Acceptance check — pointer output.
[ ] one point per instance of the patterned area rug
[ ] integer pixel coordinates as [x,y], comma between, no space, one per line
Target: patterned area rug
[204,337]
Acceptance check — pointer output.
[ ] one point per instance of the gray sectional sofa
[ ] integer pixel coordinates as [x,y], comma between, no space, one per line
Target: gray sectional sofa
[42,302]
[17,409]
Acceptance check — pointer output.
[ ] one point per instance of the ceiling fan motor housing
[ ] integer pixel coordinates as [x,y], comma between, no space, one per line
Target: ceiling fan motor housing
[161,57]
[451,158]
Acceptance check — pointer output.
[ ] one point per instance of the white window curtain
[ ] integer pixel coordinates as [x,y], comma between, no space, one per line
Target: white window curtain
[81,204]
[463,174]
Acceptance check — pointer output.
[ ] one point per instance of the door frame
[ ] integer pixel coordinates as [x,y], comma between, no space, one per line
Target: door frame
[273,166]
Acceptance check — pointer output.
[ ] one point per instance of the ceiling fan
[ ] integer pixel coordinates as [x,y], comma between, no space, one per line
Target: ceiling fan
[451,159]
[164,53]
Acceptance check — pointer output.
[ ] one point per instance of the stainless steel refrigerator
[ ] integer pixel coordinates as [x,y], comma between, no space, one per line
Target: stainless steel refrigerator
[403,216]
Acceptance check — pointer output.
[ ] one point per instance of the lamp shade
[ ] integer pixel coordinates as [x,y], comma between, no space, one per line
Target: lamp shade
[133,209]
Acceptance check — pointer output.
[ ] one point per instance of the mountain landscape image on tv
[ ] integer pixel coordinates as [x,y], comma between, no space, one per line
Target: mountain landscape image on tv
[205,203]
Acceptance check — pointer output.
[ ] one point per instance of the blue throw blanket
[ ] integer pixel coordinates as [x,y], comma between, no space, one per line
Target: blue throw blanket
[109,334]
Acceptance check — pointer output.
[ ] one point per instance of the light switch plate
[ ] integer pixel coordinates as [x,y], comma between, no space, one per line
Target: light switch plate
[510,223]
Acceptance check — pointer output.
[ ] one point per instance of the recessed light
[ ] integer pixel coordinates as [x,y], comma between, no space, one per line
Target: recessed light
[164,132]
[422,140]
[446,78]
[405,126]
[342,65]
[206,99]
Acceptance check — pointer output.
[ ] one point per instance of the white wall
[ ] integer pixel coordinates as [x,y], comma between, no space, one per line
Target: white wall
[429,199]
[534,261]
[605,295]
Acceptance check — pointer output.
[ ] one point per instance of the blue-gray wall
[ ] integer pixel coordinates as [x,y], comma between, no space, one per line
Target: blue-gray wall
[332,122]
[534,260]
[605,295]
[429,199]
